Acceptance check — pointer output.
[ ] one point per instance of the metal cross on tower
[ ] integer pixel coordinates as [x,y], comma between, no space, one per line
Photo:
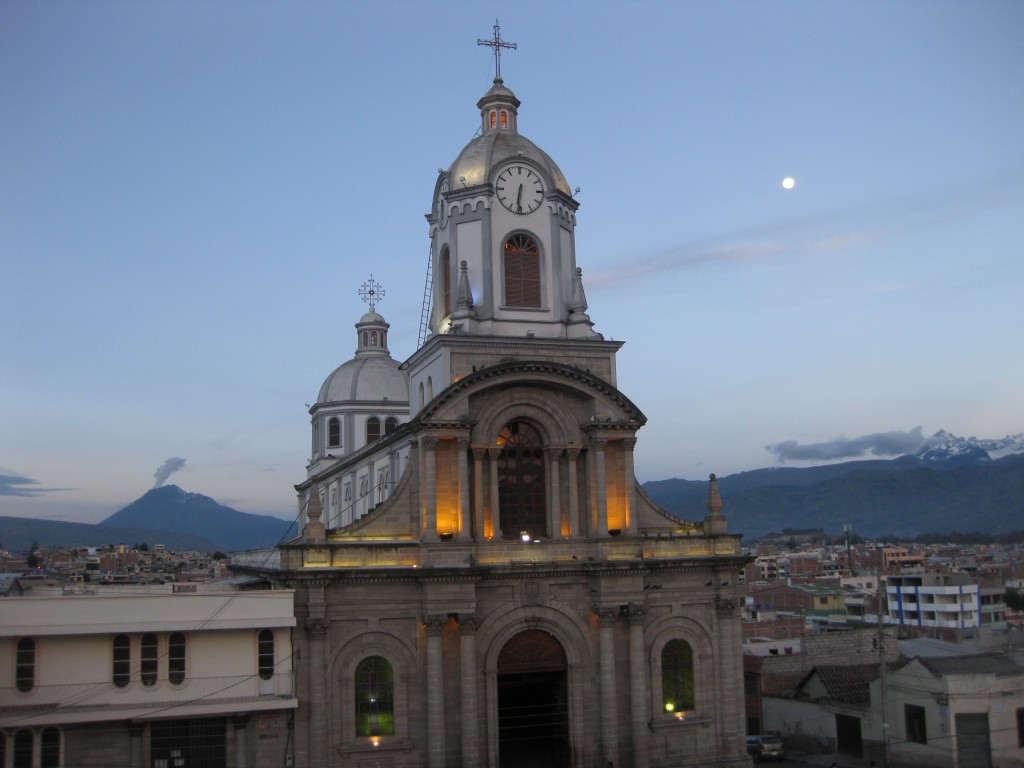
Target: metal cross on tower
[371,292]
[497,44]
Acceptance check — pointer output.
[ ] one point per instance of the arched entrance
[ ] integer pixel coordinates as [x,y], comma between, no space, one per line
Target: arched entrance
[533,711]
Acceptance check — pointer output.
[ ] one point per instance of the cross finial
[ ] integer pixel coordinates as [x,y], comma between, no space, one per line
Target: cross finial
[497,44]
[371,292]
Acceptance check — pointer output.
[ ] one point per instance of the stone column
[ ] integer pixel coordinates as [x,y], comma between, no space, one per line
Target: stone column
[729,673]
[240,722]
[639,696]
[609,699]
[601,482]
[478,493]
[470,714]
[465,520]
[628,444]
[493,454]
[435,692]
[316,631]
[572,454]
[430,487]
[554,494]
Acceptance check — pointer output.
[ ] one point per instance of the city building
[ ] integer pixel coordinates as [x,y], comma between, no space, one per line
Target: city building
[480,580]
[164,677]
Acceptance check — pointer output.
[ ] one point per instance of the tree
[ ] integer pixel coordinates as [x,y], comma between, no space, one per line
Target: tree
[34,560]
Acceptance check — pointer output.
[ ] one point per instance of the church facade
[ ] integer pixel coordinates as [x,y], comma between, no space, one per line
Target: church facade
[480,580]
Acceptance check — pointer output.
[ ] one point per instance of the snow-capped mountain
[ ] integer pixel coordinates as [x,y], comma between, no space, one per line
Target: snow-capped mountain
[946,448]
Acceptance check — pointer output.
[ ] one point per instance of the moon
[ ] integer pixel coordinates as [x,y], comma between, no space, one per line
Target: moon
[788,183]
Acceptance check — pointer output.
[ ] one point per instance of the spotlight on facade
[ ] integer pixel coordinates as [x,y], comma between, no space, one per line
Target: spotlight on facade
[525,537]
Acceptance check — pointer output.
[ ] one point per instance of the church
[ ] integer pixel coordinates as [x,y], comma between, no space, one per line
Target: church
[479,578]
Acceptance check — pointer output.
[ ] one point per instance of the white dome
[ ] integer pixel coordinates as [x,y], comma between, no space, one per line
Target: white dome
[365,378]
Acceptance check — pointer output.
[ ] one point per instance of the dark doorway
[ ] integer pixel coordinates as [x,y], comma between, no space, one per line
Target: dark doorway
[973,744]
[848,738]
[533,711]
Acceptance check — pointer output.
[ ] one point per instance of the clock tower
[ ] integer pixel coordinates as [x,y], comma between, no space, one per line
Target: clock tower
[505,283]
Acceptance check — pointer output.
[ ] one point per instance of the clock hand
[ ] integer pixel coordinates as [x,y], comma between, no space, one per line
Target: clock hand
[519,197]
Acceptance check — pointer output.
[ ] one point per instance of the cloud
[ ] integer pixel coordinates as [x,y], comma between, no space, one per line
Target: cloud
[19,485]
[879,444]
[167,469]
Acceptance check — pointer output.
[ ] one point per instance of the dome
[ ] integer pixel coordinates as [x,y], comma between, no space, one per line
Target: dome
[365,378]
[372,375]
[499,142]
[482,154]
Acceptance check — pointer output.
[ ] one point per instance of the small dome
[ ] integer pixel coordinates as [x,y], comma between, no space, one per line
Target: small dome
[372,375]
[369,378]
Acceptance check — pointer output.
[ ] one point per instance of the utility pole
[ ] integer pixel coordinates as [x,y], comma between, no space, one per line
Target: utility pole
[881,595]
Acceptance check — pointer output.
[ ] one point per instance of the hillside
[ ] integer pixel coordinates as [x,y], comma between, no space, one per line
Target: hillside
[170,508]
[17,534]
[902,497]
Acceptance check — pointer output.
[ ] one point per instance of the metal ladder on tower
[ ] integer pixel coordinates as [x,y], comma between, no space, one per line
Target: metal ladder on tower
[427,296]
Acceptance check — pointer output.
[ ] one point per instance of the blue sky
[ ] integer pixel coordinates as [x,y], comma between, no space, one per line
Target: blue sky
[191,193]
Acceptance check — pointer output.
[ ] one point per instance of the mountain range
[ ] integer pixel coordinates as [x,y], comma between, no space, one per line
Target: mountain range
[165,515]
[950,483]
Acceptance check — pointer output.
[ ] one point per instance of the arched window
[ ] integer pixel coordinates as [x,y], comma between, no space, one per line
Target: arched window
[23,742]
[522,272]
[677,676]
[148,668]
[375,698]
[49,748]
[430,388]
[334,432]
[25,665]
[122,667]
[504,119]
[390,425]
[372,429]
[494,119]
[521,489]
[373,338]
[266,654]
[446,280]
[383,480]
[176,658]
[422,401]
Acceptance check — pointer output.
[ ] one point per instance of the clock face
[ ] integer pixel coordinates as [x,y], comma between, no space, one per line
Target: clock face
[442,205]
[520,189]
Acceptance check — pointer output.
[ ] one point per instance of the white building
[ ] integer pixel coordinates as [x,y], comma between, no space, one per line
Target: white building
[146,676]
[949,601]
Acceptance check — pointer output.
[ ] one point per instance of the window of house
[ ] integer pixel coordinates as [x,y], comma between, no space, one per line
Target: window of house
[1020,728]
[25,664]
[148,666]
[677,676]
[334,432]
[200,742]
[122,660]
[750,680]
[375,707]
[915,723]
[49,748]
[176,658]
[266,654]
[372,429]
[390,425]
[522,272]
[822,601]
[23,741]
